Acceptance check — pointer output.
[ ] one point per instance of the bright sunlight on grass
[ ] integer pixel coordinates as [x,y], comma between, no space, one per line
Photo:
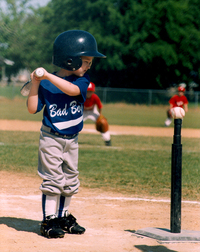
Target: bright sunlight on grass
[135,165]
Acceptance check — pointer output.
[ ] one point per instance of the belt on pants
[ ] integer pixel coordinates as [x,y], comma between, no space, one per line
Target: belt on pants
[49,130]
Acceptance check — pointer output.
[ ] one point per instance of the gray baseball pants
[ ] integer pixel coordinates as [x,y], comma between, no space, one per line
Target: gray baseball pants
[58,164]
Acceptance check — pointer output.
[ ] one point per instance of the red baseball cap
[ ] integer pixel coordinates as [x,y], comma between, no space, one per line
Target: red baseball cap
[91,87]
[181,89]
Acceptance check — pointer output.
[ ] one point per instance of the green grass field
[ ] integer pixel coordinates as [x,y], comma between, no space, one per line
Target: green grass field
[137,165]
[117,114]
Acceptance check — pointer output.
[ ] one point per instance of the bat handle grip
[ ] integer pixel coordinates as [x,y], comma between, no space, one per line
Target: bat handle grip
[39,72]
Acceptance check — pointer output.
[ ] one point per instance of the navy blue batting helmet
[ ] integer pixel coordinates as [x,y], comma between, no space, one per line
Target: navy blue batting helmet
[70,45]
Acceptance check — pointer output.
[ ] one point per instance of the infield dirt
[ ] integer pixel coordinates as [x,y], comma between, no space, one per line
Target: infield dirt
[14,125]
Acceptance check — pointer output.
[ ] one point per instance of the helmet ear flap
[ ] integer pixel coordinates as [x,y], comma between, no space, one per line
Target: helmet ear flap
[70,63]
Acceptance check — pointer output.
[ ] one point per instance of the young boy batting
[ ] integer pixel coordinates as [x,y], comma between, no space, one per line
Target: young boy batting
[62,95]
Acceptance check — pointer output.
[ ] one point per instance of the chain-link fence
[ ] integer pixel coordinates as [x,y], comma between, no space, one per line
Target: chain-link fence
[116,95]
[143,96]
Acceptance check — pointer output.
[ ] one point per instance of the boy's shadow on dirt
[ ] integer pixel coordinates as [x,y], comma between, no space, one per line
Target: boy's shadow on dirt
[20,224]
[145,248]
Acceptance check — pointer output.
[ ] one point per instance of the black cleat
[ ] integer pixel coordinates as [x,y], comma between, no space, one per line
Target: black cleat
[69,225]
[50,228]
[108,143]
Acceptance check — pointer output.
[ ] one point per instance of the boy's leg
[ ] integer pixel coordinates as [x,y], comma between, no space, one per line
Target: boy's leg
[70,168]
[106,138]
[90,115]
[50,225]
[93,115]
[50,162]
[63,205]
[67,221]
[50,170]
[49,204]
[168,121]
[68,224]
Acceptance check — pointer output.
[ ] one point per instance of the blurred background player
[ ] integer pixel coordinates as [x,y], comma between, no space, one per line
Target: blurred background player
[92,110]
[178,100]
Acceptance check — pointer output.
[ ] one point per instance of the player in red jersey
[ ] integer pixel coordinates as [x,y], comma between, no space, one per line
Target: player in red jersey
[93,111]
[178,100]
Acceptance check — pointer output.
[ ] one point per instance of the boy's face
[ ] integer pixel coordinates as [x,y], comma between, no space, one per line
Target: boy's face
[180,93]
[89,94]
[86,64]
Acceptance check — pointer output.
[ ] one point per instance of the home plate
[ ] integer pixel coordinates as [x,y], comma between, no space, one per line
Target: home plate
[165,235]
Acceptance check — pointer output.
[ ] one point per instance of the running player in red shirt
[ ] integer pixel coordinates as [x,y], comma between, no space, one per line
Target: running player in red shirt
[179,100]
[93,109]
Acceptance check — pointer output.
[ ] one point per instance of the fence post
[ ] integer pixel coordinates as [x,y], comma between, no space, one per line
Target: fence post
[104,95]
[150,97]
[196,100]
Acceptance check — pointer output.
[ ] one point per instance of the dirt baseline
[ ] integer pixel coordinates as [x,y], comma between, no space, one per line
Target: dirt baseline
[14,125]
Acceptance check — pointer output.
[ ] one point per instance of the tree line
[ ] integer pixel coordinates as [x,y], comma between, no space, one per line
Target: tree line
[149,44]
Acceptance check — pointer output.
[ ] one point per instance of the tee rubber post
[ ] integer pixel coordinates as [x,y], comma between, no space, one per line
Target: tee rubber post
[176,174]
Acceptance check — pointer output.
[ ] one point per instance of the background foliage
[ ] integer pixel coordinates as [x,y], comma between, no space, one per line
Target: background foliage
[149,44]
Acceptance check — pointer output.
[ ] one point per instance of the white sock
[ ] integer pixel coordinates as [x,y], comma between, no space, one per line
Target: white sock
[63,206]
[106,136]
[49,204]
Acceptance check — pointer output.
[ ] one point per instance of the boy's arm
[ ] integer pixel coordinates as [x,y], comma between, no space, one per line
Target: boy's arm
[99,104]
[186,107]
[64,85]
[32,101]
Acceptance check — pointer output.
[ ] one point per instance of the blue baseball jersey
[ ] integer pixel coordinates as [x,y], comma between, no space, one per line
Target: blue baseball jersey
[63,113]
